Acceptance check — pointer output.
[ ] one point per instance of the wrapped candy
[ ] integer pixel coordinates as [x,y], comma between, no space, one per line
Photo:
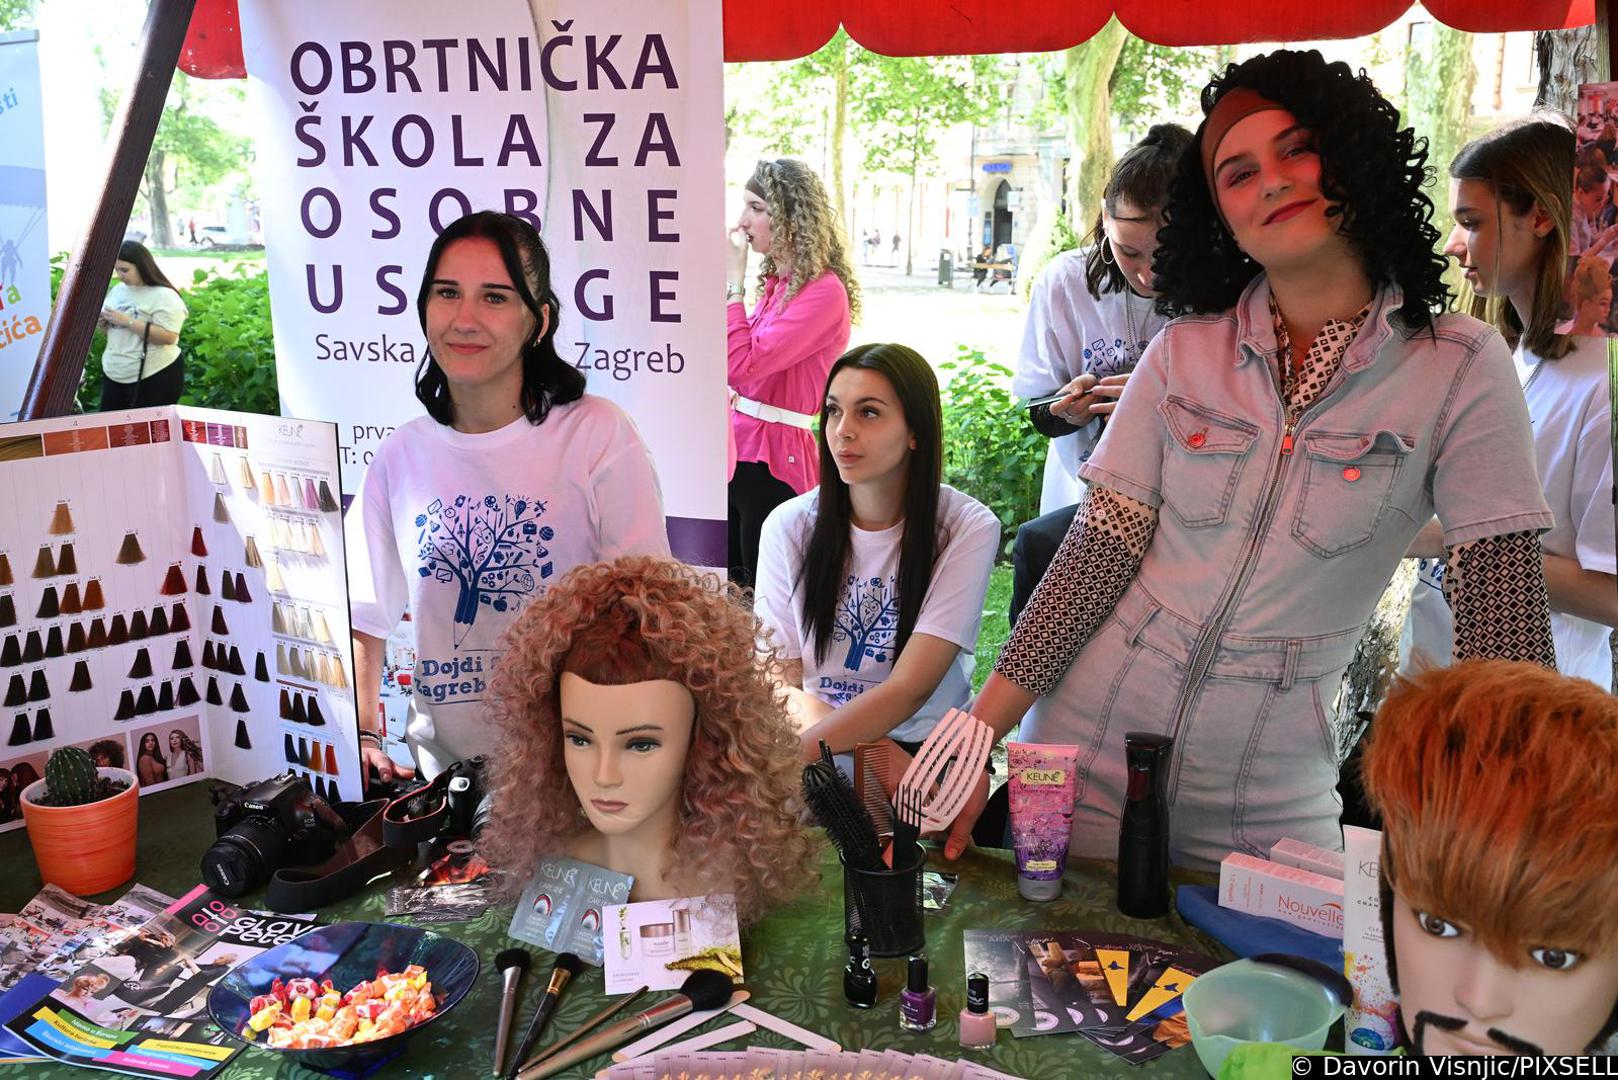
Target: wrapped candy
[302,1014]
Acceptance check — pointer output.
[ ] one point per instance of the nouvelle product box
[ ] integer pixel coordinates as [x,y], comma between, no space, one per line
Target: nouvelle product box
[1307,900]
[1316,860]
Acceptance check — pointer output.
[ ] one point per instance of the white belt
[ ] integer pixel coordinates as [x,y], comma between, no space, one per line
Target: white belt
[772,414]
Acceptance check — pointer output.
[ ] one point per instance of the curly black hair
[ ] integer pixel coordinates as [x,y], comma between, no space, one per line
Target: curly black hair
[1371,168]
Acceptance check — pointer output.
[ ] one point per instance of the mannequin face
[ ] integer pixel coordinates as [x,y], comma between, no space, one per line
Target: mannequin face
[1458,997]
[625,749]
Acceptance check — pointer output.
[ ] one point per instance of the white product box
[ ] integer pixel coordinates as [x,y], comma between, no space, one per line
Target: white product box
[1304,856]
[1369,1027]
[1307,900]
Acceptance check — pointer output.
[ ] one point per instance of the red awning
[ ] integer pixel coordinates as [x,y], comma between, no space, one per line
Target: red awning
[213,48]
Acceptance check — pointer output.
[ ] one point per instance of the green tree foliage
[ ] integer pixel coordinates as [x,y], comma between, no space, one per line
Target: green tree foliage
[1114,81]
[1151,83]
[904,103]
[190,151]
[16,14]
[771,107]
[1440,76]
[1117,79]
[992,452]
[229,348]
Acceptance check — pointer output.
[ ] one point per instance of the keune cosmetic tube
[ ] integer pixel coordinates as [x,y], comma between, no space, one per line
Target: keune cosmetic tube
[1369,1027]
[1042,784]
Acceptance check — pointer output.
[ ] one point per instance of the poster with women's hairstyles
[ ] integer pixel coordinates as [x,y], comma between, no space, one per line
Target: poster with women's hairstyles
[600,122]
[1587,291]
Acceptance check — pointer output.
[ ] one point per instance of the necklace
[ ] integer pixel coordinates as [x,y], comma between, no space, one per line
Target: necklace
[1132,346]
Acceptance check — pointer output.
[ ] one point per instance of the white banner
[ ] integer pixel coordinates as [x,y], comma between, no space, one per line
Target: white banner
[599,120]
[25,271]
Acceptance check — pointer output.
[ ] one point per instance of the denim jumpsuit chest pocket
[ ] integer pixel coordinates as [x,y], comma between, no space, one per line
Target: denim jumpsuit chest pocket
[1203,459]
[1348,481]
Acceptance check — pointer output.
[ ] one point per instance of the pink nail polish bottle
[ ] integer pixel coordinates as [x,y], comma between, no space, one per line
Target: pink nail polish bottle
[977,1022]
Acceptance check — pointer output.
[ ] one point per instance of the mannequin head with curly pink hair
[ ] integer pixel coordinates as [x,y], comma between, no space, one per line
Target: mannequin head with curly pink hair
[636,685]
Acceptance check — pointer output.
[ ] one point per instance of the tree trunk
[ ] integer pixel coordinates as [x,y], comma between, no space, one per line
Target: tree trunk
[839,133]
[466,602]
[1457,73]
[1568,58]
[157,200]
[1089,119]
[910,207]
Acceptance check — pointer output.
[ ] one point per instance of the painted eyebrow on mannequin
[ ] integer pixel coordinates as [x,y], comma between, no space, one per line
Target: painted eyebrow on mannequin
[1234,158]
[580,724]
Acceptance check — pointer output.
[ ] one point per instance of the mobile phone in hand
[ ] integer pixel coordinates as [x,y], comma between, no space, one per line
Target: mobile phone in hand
[1047,399]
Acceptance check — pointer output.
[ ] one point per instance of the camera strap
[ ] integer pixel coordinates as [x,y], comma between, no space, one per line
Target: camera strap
[418,815]
[361,857]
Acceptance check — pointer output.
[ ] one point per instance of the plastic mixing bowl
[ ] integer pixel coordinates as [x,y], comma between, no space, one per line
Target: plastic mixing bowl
[1252,1001]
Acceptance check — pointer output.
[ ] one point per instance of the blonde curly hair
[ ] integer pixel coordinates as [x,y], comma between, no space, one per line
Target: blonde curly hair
[802,219]
[634,619]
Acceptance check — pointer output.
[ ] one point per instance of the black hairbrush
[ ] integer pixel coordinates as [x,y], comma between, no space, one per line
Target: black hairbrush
[832,801]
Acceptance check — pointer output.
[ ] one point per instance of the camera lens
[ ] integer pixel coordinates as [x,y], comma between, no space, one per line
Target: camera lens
[242,859]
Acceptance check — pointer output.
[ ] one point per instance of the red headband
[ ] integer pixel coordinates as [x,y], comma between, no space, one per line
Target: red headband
[1228,111]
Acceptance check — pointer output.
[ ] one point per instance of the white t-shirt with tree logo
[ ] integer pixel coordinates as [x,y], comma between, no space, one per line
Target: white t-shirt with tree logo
[464,530]
[860,654]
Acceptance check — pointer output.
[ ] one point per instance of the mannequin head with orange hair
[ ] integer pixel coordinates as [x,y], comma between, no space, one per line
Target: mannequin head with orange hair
[639,729]
[1497,783]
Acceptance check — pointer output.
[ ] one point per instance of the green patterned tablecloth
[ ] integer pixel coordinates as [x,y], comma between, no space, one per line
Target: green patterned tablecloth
[794,960]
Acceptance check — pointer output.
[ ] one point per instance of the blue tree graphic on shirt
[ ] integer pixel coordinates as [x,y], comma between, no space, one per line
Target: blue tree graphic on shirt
[867,618]
[492,549]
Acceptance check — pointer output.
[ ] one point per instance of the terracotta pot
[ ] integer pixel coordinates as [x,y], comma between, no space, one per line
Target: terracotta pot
[85,849]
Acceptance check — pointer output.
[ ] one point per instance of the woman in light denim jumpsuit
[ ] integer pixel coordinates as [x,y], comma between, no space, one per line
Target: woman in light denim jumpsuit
[1250,503]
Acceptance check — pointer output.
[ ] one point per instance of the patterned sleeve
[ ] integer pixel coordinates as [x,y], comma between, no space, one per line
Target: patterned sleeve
[1098,559]
[1048,423]
[1495,587]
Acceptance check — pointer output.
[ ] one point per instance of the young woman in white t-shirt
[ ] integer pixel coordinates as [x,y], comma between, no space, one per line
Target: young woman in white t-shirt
[871,586]
[142,316]
[1090,317]
[1508,194]
[513,477]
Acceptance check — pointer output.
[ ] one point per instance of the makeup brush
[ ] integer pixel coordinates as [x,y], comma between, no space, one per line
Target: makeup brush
[511,963]
[838,811]
[567,966]
[593,1021]
[701,990]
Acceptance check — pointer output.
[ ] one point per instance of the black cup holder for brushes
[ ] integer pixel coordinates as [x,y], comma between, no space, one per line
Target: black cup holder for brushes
[885,905]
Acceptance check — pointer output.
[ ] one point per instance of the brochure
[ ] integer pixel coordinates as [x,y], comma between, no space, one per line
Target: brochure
[141,1009]
[658,943]
[1119,991]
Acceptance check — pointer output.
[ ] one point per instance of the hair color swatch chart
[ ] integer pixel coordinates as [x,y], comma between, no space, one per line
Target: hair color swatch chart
[173,598]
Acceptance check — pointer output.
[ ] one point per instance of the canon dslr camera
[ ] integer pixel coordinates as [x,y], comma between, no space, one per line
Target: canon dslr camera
[265,826]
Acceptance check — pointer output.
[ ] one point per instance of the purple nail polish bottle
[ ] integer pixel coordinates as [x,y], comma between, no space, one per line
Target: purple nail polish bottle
[917,1003]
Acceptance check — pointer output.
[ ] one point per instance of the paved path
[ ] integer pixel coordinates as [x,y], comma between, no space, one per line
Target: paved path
[918,312]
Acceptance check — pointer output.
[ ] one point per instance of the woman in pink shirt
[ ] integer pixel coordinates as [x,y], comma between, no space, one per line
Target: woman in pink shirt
[779,355]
